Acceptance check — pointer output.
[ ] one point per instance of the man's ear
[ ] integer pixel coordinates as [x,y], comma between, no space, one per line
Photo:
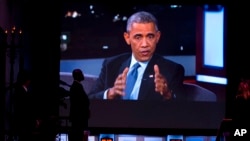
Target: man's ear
[158,35]
[126,37]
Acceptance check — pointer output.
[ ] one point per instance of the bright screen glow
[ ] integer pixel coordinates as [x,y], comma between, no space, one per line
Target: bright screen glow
[177,43]
[213,38]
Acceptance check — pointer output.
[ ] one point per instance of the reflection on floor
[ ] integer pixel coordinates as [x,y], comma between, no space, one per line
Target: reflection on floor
[128,137]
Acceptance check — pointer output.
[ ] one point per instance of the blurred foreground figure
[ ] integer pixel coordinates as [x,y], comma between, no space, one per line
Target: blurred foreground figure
[241,111]
[23,121]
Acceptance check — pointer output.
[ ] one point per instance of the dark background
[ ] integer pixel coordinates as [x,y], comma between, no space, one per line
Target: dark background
[89,32]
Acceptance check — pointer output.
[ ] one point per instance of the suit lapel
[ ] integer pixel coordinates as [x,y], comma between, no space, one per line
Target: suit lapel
[125,64]
[147,83]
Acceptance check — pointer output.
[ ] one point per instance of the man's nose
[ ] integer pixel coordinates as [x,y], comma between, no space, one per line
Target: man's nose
[144,42]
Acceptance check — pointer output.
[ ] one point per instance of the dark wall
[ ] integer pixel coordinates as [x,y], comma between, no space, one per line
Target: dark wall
[40,24]
[41,30]
[237,52]
[2,81]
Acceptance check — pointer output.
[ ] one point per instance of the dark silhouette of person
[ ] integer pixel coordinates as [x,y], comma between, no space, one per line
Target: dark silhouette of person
[79,107]
[22,115]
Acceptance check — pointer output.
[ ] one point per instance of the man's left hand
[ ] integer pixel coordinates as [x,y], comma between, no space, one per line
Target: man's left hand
[161,84]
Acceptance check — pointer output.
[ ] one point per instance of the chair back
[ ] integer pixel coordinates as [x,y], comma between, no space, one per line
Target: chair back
[198,93]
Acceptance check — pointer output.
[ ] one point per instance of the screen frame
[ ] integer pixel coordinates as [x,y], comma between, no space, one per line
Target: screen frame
[161,129]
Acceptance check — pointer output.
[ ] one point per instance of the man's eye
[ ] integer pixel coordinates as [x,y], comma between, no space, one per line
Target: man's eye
[151,36]
[138,37]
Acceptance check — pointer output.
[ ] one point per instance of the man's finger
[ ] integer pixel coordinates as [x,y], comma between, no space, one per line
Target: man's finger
[125,71]
[124,74]
[156,69]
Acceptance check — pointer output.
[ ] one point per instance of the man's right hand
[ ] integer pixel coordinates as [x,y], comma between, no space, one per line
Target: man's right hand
[119,86]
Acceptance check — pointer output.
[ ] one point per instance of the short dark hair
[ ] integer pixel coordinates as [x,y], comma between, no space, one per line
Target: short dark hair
[78,74]
[141,17]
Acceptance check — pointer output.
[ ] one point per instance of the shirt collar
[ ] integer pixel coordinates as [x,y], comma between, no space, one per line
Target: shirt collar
[133,61]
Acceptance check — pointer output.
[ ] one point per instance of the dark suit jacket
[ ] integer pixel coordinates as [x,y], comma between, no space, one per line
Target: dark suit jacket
[113,66]
[79,104]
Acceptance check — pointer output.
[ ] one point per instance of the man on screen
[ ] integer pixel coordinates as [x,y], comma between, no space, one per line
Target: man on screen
[156,78]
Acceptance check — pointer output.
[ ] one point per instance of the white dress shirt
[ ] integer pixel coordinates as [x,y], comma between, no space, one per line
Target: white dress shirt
[141,69]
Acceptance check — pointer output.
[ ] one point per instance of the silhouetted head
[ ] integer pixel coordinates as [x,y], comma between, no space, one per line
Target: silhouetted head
[78,75]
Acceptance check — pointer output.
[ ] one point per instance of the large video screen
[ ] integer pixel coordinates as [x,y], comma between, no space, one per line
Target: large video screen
[92,32]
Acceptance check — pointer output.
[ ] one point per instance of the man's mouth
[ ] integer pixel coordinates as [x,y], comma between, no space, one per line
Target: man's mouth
[145,53]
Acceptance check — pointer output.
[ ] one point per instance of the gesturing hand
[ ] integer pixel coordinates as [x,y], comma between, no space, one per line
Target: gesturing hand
[119,85]
[161,84]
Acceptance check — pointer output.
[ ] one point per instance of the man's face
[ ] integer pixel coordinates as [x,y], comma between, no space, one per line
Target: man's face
[142,38]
